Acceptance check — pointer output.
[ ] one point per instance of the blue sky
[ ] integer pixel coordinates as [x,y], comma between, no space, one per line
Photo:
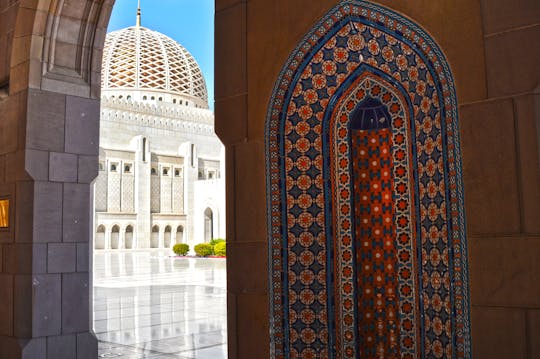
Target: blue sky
[189,22]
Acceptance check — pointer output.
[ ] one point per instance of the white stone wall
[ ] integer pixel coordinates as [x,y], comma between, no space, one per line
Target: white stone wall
[160,189]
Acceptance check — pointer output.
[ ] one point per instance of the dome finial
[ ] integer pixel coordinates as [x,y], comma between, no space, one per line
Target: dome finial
[139,14]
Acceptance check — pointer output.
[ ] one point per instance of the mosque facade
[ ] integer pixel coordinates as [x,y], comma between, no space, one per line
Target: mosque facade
[161,166]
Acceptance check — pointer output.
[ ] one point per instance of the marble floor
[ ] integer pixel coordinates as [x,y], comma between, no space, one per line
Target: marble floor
[151,305]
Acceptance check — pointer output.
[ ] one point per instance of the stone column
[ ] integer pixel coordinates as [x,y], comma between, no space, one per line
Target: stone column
[45,282]
[142,190]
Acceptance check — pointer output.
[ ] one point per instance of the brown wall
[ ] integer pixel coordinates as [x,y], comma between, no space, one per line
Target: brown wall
[493,49]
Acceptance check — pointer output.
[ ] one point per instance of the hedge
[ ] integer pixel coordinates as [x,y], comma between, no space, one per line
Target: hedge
[220,249]
[204,249]
[181,249]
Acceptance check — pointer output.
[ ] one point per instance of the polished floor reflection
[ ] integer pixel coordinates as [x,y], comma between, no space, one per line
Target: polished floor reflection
[149,305]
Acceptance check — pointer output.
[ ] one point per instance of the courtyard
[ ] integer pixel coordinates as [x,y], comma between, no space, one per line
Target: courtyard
[150,305]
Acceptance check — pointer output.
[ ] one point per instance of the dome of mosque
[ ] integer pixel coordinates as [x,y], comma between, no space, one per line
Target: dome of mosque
[139,59]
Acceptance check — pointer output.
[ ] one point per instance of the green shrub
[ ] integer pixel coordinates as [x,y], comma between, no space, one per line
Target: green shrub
[181,249]
[213,242]
[220,249]
[204,249]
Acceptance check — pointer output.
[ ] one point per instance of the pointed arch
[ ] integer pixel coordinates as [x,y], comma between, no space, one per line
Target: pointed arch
[365,199]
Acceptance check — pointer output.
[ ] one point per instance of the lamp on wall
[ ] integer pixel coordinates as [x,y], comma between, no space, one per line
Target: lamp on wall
[4,213]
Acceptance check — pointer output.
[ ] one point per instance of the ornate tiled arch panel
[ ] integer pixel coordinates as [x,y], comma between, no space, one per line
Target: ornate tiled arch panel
[365,201]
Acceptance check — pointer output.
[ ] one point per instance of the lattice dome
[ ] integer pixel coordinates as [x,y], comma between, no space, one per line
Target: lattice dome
[137,58]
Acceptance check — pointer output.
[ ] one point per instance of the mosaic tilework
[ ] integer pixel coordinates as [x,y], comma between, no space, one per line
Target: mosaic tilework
[361,55]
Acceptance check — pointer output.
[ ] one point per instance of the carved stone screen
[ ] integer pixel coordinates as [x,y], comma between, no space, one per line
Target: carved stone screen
[365,202]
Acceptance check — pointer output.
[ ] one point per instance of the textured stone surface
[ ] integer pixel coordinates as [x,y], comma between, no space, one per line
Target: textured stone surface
[75,302]
[252,322]
[45,121]
[512,61]
[533,333]
[76,213]
[489,167]
[87,346]
[37,164]
[82,125]
[501,15]
[505,271]
[528,122]
[62,258]
[247,263]
[234,109]
[88,168]
[46,305]
[62,167]
[82,257]
[250,173]
[62,347]
[231,74]
[6,309]
[498,333]
[48,204]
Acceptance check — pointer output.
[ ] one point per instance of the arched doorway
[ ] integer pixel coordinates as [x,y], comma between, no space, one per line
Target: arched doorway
[115,237]
[208,225]
[154,239]
[179,235]
[167,237]
[129,237]
[99,241]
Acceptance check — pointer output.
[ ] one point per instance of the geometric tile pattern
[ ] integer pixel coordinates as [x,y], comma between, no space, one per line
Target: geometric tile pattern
[139,58]
[366,220]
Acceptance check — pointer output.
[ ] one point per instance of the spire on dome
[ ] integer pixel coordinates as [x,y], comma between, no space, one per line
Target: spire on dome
[139,14]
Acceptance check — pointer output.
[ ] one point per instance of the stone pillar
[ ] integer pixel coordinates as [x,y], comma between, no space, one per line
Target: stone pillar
[45,283]
[191,166]
[142,190]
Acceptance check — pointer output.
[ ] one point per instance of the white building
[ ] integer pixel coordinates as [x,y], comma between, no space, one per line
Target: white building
[161,178]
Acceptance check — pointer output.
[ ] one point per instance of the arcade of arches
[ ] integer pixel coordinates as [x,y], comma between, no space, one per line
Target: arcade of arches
[50,53]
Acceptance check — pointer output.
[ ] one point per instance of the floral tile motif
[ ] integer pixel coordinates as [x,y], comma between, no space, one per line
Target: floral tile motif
[366,220]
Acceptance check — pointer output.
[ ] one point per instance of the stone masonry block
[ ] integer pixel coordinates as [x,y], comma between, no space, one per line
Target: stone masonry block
[24,212]
[82,257]
[533,331]
[63,167]
[48,212]
[9,108]
[45,121]
[250,200]
[22,305]
[231,51]
[252,323]
[489,167]
[76,215]
[62,258]
[502,15]
[246,266]
[82,126]
[62,347]
[6,309]
[37,164]
[46,305]
[88,168]
[512,61]
[498,333]
[75,303]
[505,271]
[34,348]
[25,258]
[528,125]
[231,119]
[87,346]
